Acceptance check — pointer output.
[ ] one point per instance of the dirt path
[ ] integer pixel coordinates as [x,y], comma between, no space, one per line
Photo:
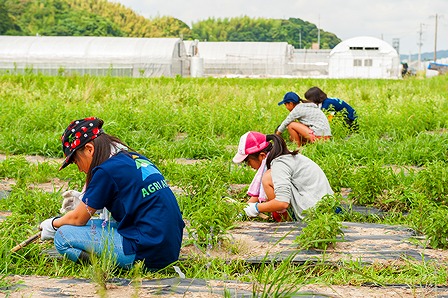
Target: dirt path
[40,287]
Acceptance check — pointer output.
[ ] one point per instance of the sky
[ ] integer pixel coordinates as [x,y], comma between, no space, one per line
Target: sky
[410,21]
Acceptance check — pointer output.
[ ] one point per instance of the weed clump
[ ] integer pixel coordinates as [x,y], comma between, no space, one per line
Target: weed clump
[323,225]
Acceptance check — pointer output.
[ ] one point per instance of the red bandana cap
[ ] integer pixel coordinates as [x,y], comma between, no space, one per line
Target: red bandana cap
[77,134]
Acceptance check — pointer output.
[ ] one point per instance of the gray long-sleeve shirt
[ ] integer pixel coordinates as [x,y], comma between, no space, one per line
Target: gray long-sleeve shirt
[298,181]
[311,115]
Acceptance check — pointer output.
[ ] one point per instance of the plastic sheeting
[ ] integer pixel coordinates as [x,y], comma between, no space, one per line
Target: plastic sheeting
[361,57]
[245,58]
[116,56]
[309,63]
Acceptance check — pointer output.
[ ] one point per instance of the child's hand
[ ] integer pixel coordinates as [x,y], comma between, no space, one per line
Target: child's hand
[251,210]
[71,199]
[47,228]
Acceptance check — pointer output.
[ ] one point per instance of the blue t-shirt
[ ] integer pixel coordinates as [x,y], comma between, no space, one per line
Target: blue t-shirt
[140,200]
[339,105]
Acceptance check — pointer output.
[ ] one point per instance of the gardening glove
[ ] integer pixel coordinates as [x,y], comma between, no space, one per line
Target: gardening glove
[47,229]
[71,199]
[252,209]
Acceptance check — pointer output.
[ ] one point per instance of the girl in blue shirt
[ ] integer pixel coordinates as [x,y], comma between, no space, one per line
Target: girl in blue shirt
[316,95]
[148,223]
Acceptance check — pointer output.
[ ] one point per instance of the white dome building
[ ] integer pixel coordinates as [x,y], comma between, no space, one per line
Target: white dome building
[364,57]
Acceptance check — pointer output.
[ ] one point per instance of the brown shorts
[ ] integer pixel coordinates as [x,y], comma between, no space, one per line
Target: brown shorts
[313,137]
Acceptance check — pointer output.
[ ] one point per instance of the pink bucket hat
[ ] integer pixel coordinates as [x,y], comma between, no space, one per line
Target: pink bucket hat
[251,142]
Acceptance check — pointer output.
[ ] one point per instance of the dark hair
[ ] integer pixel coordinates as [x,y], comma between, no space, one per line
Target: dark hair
[316,95]
[277,146]
[103,148]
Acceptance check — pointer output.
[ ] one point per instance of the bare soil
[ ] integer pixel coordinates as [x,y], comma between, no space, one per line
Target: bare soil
[41,286]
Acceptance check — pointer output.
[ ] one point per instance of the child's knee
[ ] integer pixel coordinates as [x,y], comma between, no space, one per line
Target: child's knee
[62,239]
[59,241]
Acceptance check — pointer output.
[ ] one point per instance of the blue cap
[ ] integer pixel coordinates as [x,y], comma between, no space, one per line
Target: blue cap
[290,97]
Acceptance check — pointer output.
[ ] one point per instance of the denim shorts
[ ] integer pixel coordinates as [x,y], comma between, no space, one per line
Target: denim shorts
[97,237]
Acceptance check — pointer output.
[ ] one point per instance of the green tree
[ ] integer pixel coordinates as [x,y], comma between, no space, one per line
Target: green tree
[79,23]
[7,25]
[103,18]
[130,23]
[294,31]
[83,17]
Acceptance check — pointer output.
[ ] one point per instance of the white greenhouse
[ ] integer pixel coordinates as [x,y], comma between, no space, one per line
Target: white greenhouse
[310,63]
[265,59]
[364,57]
[113,56]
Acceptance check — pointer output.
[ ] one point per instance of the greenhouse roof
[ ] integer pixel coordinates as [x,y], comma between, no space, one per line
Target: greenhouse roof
[93,49]
[244,50]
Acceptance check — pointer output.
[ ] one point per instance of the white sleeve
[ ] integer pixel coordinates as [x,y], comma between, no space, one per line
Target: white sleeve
[295,114]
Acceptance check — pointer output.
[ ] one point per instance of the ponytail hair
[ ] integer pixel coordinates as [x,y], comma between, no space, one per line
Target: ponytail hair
[316,95]
[278,148]
[103,148]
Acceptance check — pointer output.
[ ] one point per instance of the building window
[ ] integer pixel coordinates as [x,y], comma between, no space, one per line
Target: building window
[357,62]
[364,48]
[368,62]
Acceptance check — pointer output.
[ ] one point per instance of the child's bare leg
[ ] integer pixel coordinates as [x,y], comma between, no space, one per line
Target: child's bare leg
[299,132]
[295,137]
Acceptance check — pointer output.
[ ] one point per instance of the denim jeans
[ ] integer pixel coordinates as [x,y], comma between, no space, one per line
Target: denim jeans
[70,241]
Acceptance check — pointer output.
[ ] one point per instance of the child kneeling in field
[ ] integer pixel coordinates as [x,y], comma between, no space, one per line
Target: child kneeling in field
[290,181]
[334,105]
[148,224]
[306,122]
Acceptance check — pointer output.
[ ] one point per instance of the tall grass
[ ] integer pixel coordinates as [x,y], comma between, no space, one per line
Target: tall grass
[397,161]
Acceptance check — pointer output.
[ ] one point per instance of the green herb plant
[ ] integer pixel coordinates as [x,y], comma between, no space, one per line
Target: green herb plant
[323,225]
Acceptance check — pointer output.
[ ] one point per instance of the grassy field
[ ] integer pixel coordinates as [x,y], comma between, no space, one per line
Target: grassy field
[397,162]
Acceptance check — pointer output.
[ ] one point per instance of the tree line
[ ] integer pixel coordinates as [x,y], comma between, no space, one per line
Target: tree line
[103,18]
